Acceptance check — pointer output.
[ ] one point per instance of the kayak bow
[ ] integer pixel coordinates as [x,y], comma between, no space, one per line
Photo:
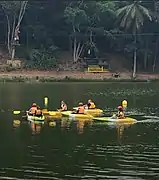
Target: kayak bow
[110,119]
[35,118]
[93,112]
[72,115]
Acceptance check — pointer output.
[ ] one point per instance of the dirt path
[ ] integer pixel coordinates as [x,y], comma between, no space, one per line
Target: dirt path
[77,75]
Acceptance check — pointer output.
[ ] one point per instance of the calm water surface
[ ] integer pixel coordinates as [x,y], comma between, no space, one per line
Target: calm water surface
[78,149]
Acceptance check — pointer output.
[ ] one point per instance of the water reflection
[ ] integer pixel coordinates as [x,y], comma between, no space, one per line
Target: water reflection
[16,123]
[81,124]
[35,127]
[65,123]
[52,124]
[121,127]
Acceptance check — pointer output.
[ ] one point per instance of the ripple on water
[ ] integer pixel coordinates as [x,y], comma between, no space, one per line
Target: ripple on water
[97,161]
[129,165]
[139,162]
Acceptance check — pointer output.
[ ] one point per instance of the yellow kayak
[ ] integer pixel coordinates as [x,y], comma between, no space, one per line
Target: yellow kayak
[51,113]
[110,119]
[71,115]
[95,111]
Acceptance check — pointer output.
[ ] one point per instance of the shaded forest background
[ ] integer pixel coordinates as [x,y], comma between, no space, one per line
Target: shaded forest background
[45,34]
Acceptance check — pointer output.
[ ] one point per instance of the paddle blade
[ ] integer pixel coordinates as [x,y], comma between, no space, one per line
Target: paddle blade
[16,112]
[46,102]
[124,104]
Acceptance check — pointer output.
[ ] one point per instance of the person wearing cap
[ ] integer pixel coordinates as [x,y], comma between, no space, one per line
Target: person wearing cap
[91,104]
[33,109]
[63,106]
[80,109]
[120,113]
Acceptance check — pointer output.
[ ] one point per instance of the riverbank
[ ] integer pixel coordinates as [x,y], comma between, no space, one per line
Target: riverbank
[67,76]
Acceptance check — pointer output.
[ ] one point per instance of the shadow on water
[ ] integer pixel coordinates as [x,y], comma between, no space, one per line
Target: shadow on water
[80,149]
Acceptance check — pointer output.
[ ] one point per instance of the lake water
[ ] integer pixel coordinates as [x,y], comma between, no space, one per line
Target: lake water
[80,150]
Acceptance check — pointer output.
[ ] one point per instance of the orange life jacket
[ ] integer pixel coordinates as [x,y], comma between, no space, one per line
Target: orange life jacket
[38,112]
[91,105]
[81,110]
[121,115]
[33,110]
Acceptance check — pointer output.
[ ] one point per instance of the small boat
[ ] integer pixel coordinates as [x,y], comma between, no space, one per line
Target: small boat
[51,113]
[93,112]
[35,118]
[73,115]
[111,119]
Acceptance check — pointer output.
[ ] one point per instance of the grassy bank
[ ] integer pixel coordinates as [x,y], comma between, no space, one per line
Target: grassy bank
[68,76]
[49,79]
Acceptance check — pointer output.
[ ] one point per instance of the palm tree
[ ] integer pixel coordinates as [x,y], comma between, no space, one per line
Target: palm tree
[133,16]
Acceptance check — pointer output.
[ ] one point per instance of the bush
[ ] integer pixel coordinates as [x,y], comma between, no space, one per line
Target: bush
[42,59]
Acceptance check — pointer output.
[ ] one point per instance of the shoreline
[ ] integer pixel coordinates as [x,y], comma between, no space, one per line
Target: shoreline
[76,76]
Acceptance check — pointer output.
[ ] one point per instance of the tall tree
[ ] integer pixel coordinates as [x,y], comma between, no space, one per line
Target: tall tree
[14,12]
[76,17]
[133,16]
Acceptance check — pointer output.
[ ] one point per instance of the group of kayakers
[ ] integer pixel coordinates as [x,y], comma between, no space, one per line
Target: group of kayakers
[35,109]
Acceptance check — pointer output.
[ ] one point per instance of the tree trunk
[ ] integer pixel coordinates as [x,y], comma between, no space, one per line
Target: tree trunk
[8,35]
[135,57]
[13,53]
[70,45]
[27,39]
[146,55]
[77,50]
[155,58]
[74,49]
[12,40]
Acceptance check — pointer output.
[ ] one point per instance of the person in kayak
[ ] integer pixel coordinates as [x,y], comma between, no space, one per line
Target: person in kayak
[120,113]
[63,106]
[38,112]
[91,104]
[80,109]
[33,109]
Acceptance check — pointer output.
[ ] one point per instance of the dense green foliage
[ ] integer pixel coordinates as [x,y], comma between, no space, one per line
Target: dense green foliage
[86,28]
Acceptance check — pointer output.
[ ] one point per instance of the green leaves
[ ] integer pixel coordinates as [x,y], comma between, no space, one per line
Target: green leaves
[75,16]
[133,15]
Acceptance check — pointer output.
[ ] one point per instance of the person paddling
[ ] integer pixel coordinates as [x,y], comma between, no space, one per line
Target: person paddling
[120,113]
[80,109]
[33,109]
[63,106]
[91,104]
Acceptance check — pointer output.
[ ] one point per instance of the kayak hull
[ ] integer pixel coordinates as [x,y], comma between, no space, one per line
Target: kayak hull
[94,112]
[110,119]
[78,116]
[35,118]
[52,113]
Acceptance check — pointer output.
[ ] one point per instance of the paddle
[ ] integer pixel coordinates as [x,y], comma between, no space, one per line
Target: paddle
[16,112]
[124,104]
[46,99]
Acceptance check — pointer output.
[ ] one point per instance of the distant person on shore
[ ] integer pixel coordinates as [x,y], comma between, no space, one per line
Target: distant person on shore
[120,113]
[80,109]
[91,104]
[33,109]
[63,106]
